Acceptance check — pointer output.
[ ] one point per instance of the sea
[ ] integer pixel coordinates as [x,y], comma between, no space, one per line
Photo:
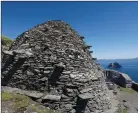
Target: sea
[129,66]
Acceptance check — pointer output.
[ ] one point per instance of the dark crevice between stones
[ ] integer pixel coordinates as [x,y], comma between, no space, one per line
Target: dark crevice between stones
[72,87]
[46,47]
[9,61]
[81,105]
[49,103]
[34,99]
[65,91]
[55,76]
[25,68]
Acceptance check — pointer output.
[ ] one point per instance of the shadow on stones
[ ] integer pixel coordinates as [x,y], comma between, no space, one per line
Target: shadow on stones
[45,48]
[11,72]
[10,59]
[55,76]
[25,68]
[81,105]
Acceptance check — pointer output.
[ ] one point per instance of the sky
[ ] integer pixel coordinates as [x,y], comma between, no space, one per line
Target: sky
[110,27]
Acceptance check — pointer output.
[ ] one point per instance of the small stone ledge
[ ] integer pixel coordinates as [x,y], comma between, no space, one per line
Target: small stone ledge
[8,52]
[52,97]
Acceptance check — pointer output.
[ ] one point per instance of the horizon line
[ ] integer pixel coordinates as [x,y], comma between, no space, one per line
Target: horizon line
[117,58]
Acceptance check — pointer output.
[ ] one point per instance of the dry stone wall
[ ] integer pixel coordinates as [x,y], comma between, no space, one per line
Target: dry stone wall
[52,58]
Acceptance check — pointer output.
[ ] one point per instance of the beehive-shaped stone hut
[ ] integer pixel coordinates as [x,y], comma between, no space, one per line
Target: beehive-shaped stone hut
[52,58]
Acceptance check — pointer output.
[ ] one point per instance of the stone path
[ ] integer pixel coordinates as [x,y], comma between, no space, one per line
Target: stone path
[114,102]
[129,100]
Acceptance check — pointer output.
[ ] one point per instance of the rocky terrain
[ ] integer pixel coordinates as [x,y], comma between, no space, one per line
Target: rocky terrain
[128,99]
[114,65]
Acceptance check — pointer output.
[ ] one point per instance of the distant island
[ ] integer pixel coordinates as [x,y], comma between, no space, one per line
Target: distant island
[114,65]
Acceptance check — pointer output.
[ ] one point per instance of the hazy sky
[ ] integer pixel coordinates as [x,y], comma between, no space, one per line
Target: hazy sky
[110,27]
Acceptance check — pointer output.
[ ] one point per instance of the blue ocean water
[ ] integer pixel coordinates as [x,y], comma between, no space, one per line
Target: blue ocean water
[129,66]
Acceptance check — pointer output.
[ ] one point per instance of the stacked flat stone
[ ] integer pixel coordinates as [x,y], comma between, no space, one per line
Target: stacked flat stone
[52,58]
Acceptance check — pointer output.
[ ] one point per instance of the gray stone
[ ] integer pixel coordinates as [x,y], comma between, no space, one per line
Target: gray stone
[48,68]
[21,51]
[52,97]
[86,96]
[66,72]
[36,70]
[46,72]
[29,73]
[68,106]
[29,54]
[86,90]
[8,52]
[69,90]
[43,79]
[34,94]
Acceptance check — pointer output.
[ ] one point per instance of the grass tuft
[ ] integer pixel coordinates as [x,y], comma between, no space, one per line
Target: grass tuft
[128,90]
[122,110]
[20,102]
[6,41]
[35,108]
[6,96]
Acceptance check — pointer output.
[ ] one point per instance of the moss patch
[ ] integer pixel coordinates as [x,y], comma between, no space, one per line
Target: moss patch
[5,96]
[6,41]
[20,102]
[36,108]
[122,110]
[128,90]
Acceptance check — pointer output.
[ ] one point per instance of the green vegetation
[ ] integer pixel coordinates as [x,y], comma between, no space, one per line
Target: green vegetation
[36,108]
[21,103]
[122,110]
[128,90]
[6,41]
[6,96]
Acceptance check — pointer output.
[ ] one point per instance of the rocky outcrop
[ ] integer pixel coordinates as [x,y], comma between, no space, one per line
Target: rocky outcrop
[114,65]
[53,59]
[119,78]
[135,86]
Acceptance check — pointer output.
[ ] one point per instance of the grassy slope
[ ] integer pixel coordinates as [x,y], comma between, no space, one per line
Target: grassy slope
[128,90]
[20,103]
[6,41]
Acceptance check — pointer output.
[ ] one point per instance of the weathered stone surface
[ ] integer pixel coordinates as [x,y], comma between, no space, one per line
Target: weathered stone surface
[8,52]
[34,94]
[53,59]
[86,96]
[86,90]
[52,97]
